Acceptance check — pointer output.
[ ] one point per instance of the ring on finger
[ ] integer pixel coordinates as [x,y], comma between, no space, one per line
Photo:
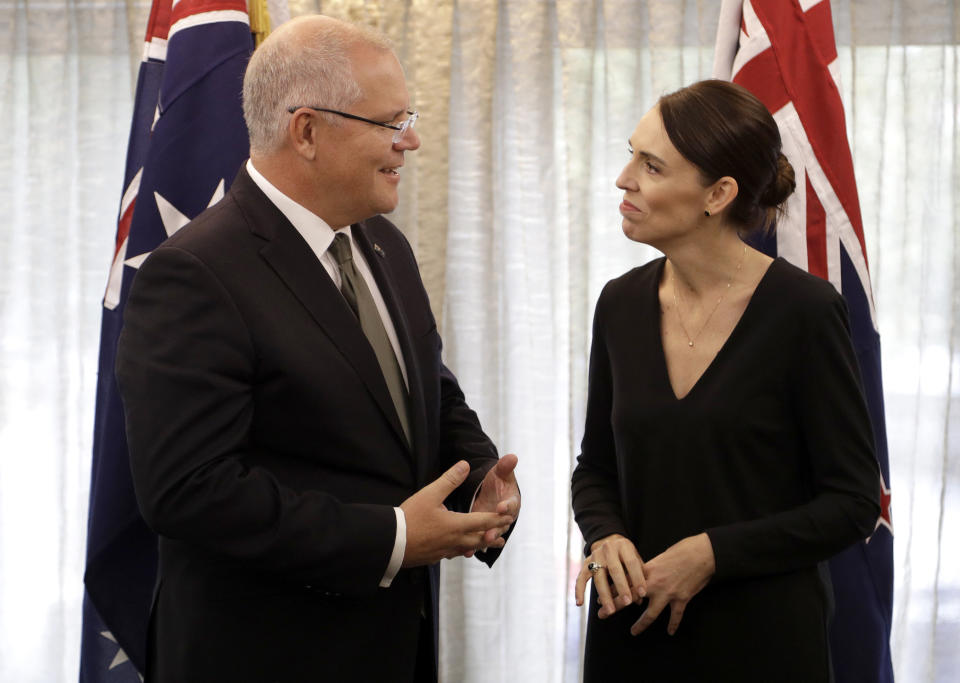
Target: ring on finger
[594,567]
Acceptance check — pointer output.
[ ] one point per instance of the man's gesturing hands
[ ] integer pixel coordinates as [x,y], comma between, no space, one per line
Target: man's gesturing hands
[434,533]
[499,493]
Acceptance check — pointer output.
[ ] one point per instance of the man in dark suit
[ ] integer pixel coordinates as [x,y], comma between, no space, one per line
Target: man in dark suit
[295,439]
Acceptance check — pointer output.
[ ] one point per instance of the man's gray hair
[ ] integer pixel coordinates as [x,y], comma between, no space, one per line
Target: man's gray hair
[303,67]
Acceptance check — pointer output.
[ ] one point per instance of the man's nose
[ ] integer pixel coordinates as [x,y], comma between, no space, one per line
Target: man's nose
[410,140]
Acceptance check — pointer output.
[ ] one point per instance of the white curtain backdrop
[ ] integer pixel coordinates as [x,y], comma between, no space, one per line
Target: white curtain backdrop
[526,108]
[65,107]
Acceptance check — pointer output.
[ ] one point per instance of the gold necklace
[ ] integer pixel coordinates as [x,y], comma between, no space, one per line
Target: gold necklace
[676,302]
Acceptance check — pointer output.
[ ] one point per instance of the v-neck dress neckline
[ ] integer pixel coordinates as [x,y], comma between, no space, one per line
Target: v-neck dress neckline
[718,357]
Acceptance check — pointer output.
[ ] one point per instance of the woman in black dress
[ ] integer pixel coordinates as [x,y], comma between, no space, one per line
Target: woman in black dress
[727,452]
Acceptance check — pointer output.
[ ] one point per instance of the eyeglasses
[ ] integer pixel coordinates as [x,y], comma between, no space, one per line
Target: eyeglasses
[401,129]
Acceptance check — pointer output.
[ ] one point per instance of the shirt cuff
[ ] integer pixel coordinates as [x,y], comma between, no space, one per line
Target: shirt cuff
[399,548]
[475,494]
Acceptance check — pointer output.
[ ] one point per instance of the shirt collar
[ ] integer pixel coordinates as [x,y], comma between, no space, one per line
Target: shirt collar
[314,229]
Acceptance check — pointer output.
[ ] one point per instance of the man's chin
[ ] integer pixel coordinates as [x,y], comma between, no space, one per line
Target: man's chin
[388,206]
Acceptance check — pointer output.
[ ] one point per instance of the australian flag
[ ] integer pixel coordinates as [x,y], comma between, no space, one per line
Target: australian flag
[784,52]
[187,142]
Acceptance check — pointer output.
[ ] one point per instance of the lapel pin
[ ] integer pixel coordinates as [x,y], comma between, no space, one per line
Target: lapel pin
[376,248]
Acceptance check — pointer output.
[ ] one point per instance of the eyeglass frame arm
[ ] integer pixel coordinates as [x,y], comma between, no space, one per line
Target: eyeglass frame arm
[413,115]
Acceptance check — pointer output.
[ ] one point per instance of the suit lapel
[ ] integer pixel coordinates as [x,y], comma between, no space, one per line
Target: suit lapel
[380,265]
[294,262]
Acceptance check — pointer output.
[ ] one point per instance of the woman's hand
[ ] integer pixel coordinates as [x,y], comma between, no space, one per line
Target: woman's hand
[620,580]
[674,577]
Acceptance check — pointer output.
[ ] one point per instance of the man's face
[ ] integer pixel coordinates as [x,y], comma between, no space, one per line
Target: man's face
[359,164]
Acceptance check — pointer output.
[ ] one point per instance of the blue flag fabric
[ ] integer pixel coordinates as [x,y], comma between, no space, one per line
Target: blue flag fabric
[187,142]
[862,575]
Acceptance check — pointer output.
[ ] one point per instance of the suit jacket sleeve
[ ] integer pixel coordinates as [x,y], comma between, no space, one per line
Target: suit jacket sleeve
[189,406]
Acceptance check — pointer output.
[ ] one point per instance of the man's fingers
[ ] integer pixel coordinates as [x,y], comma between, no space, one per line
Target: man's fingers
[465,544]
[447,482]
[435,533]
[506,465]
[481,522]
[510,506]
[492,535]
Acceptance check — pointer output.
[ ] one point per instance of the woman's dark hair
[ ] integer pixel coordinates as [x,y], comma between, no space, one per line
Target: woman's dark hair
[724,130]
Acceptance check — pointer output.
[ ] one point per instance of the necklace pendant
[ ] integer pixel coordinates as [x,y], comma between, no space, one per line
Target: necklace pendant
[690,343]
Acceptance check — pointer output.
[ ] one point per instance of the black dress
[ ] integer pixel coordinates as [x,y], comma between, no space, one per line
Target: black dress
[771,453]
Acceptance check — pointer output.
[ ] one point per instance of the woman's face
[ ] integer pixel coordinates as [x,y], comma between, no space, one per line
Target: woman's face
[663,197]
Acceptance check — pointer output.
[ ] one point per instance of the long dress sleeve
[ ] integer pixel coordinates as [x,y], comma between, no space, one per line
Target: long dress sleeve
[836,436]
[595,483]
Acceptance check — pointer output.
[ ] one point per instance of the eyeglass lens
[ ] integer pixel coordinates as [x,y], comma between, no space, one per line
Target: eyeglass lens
[404,126]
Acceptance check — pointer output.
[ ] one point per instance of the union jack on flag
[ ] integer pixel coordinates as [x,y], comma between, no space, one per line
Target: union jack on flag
[784,52]
[187,142]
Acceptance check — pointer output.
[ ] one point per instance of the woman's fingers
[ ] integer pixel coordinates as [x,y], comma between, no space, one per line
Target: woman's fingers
[604,593]
[617,572]
[654,607]
[621,591]
[637,581]
[581,586]
[676,614]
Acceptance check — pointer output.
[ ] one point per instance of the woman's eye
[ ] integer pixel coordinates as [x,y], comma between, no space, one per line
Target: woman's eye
[650,167]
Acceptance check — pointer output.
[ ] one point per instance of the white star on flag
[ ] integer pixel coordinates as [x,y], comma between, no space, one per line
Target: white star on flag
[120,657]
[173,219]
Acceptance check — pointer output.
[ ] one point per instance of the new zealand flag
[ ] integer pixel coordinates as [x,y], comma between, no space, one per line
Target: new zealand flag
[187,142]
[784,52]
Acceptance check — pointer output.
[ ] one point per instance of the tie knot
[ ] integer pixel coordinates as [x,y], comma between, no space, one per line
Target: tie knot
[340,248]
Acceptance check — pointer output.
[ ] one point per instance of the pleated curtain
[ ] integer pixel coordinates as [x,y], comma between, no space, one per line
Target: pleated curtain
[526,107]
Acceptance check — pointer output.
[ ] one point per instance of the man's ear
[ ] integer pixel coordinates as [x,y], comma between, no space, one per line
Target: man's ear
[302,131]
[721,194]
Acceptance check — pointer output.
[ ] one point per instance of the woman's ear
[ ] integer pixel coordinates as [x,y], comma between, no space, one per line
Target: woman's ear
[721,194]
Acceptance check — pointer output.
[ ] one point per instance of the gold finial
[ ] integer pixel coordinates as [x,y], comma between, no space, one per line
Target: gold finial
[259,20]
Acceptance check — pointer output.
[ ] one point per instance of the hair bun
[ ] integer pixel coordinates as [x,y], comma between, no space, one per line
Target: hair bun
[782,185]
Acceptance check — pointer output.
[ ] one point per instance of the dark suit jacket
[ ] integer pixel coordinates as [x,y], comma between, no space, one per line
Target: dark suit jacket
[267,454]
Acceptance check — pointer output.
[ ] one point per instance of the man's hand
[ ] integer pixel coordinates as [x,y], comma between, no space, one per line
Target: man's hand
[499,493]
[434,533]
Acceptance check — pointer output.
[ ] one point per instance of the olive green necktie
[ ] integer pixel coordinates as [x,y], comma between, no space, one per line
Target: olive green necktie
[355,291]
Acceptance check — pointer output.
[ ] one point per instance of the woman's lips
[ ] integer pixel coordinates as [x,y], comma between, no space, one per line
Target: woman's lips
[627,206]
